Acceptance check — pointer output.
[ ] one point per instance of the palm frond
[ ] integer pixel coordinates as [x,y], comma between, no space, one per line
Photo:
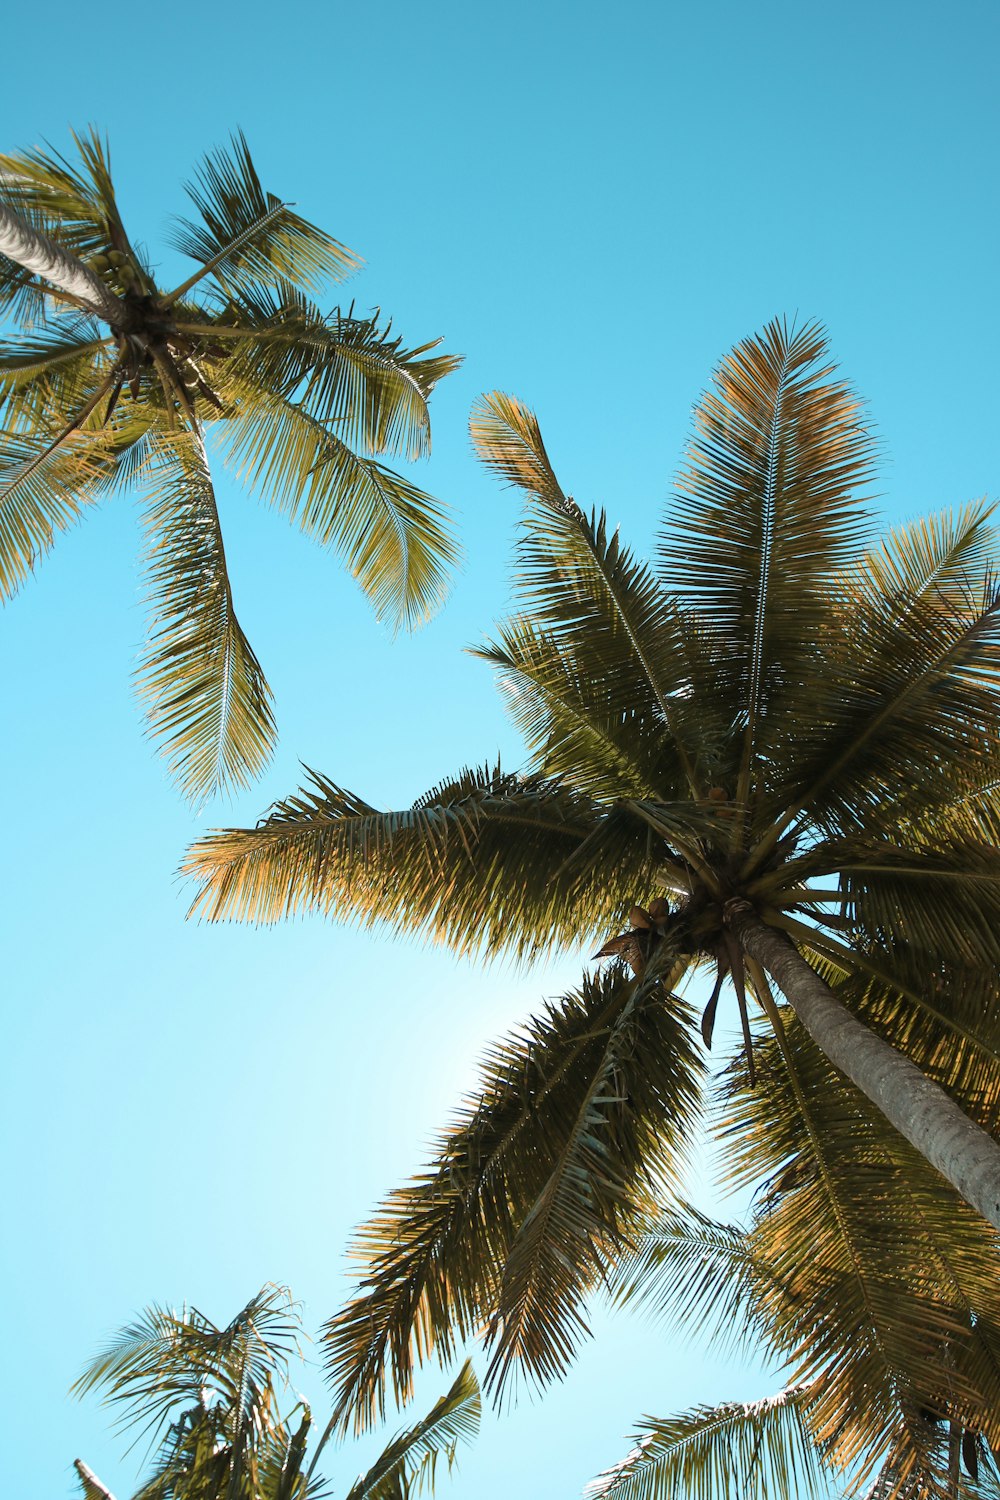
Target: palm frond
[614,1057]
[753,1449]
[209,706]
[767,514]
[44,489]
[584,587]
[248,235]
[479,863]
[410,1460]
[393,537]
[688,1271]
[892,1312]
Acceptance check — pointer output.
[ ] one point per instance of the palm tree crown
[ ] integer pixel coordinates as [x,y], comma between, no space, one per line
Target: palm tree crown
[207,1400]
[772,755]
[114,382]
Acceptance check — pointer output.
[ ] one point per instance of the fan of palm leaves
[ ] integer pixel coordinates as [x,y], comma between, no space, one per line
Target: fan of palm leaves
[111,381]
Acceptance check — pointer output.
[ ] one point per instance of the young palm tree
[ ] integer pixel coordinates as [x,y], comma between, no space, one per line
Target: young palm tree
[207,1399]
[773,755]
[115,382]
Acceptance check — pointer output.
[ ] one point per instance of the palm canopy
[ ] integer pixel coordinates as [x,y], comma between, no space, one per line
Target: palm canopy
[109,381]
[774,748]
[207,1399]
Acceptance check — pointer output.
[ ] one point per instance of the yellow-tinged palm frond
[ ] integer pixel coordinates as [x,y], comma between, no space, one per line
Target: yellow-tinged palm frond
[394,538]
[532,1185]
[759,1450]
[44,489]
[336,366]
[483,862]
[410,1460]
[209,705]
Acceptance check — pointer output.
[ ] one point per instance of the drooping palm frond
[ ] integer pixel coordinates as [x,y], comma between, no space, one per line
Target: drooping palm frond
[394,538]
[208,701]
[689,1272]
[43,490]
[409,1463]
[530,1187]
[756,1450]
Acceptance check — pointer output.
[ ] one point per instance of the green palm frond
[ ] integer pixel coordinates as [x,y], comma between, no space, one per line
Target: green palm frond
[754,1449]
[893,1311]
[43,491]
[343,369]
[393,537]
[410,1461]
[208,702]
[552,1157]
[165,1361]
[584,587]
[248,235]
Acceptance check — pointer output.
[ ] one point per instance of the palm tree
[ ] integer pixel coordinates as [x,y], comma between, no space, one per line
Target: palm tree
[207,1400]
[774,755]
[114,382]
[868,1281]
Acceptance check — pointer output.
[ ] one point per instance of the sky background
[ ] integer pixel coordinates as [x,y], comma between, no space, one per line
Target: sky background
[592,203]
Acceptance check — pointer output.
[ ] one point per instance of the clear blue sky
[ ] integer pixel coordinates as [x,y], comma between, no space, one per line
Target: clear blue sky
[592,203]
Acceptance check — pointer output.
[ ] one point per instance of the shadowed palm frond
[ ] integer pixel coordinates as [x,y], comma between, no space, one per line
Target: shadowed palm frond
[247,234]
[531,1186]
[410,1461]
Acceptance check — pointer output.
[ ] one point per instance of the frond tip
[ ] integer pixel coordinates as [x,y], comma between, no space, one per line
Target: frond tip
[760,1450]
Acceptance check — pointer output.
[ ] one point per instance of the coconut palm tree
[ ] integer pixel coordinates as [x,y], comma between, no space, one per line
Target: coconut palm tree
[862,1276]
[207,1399]
[772,755]
[115,382]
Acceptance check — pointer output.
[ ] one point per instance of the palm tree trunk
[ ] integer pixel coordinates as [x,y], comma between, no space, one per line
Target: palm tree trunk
[918,1108]
[36,252]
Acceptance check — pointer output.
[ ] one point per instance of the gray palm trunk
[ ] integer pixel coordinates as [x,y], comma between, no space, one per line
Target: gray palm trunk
[918,1108]
[40,254]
